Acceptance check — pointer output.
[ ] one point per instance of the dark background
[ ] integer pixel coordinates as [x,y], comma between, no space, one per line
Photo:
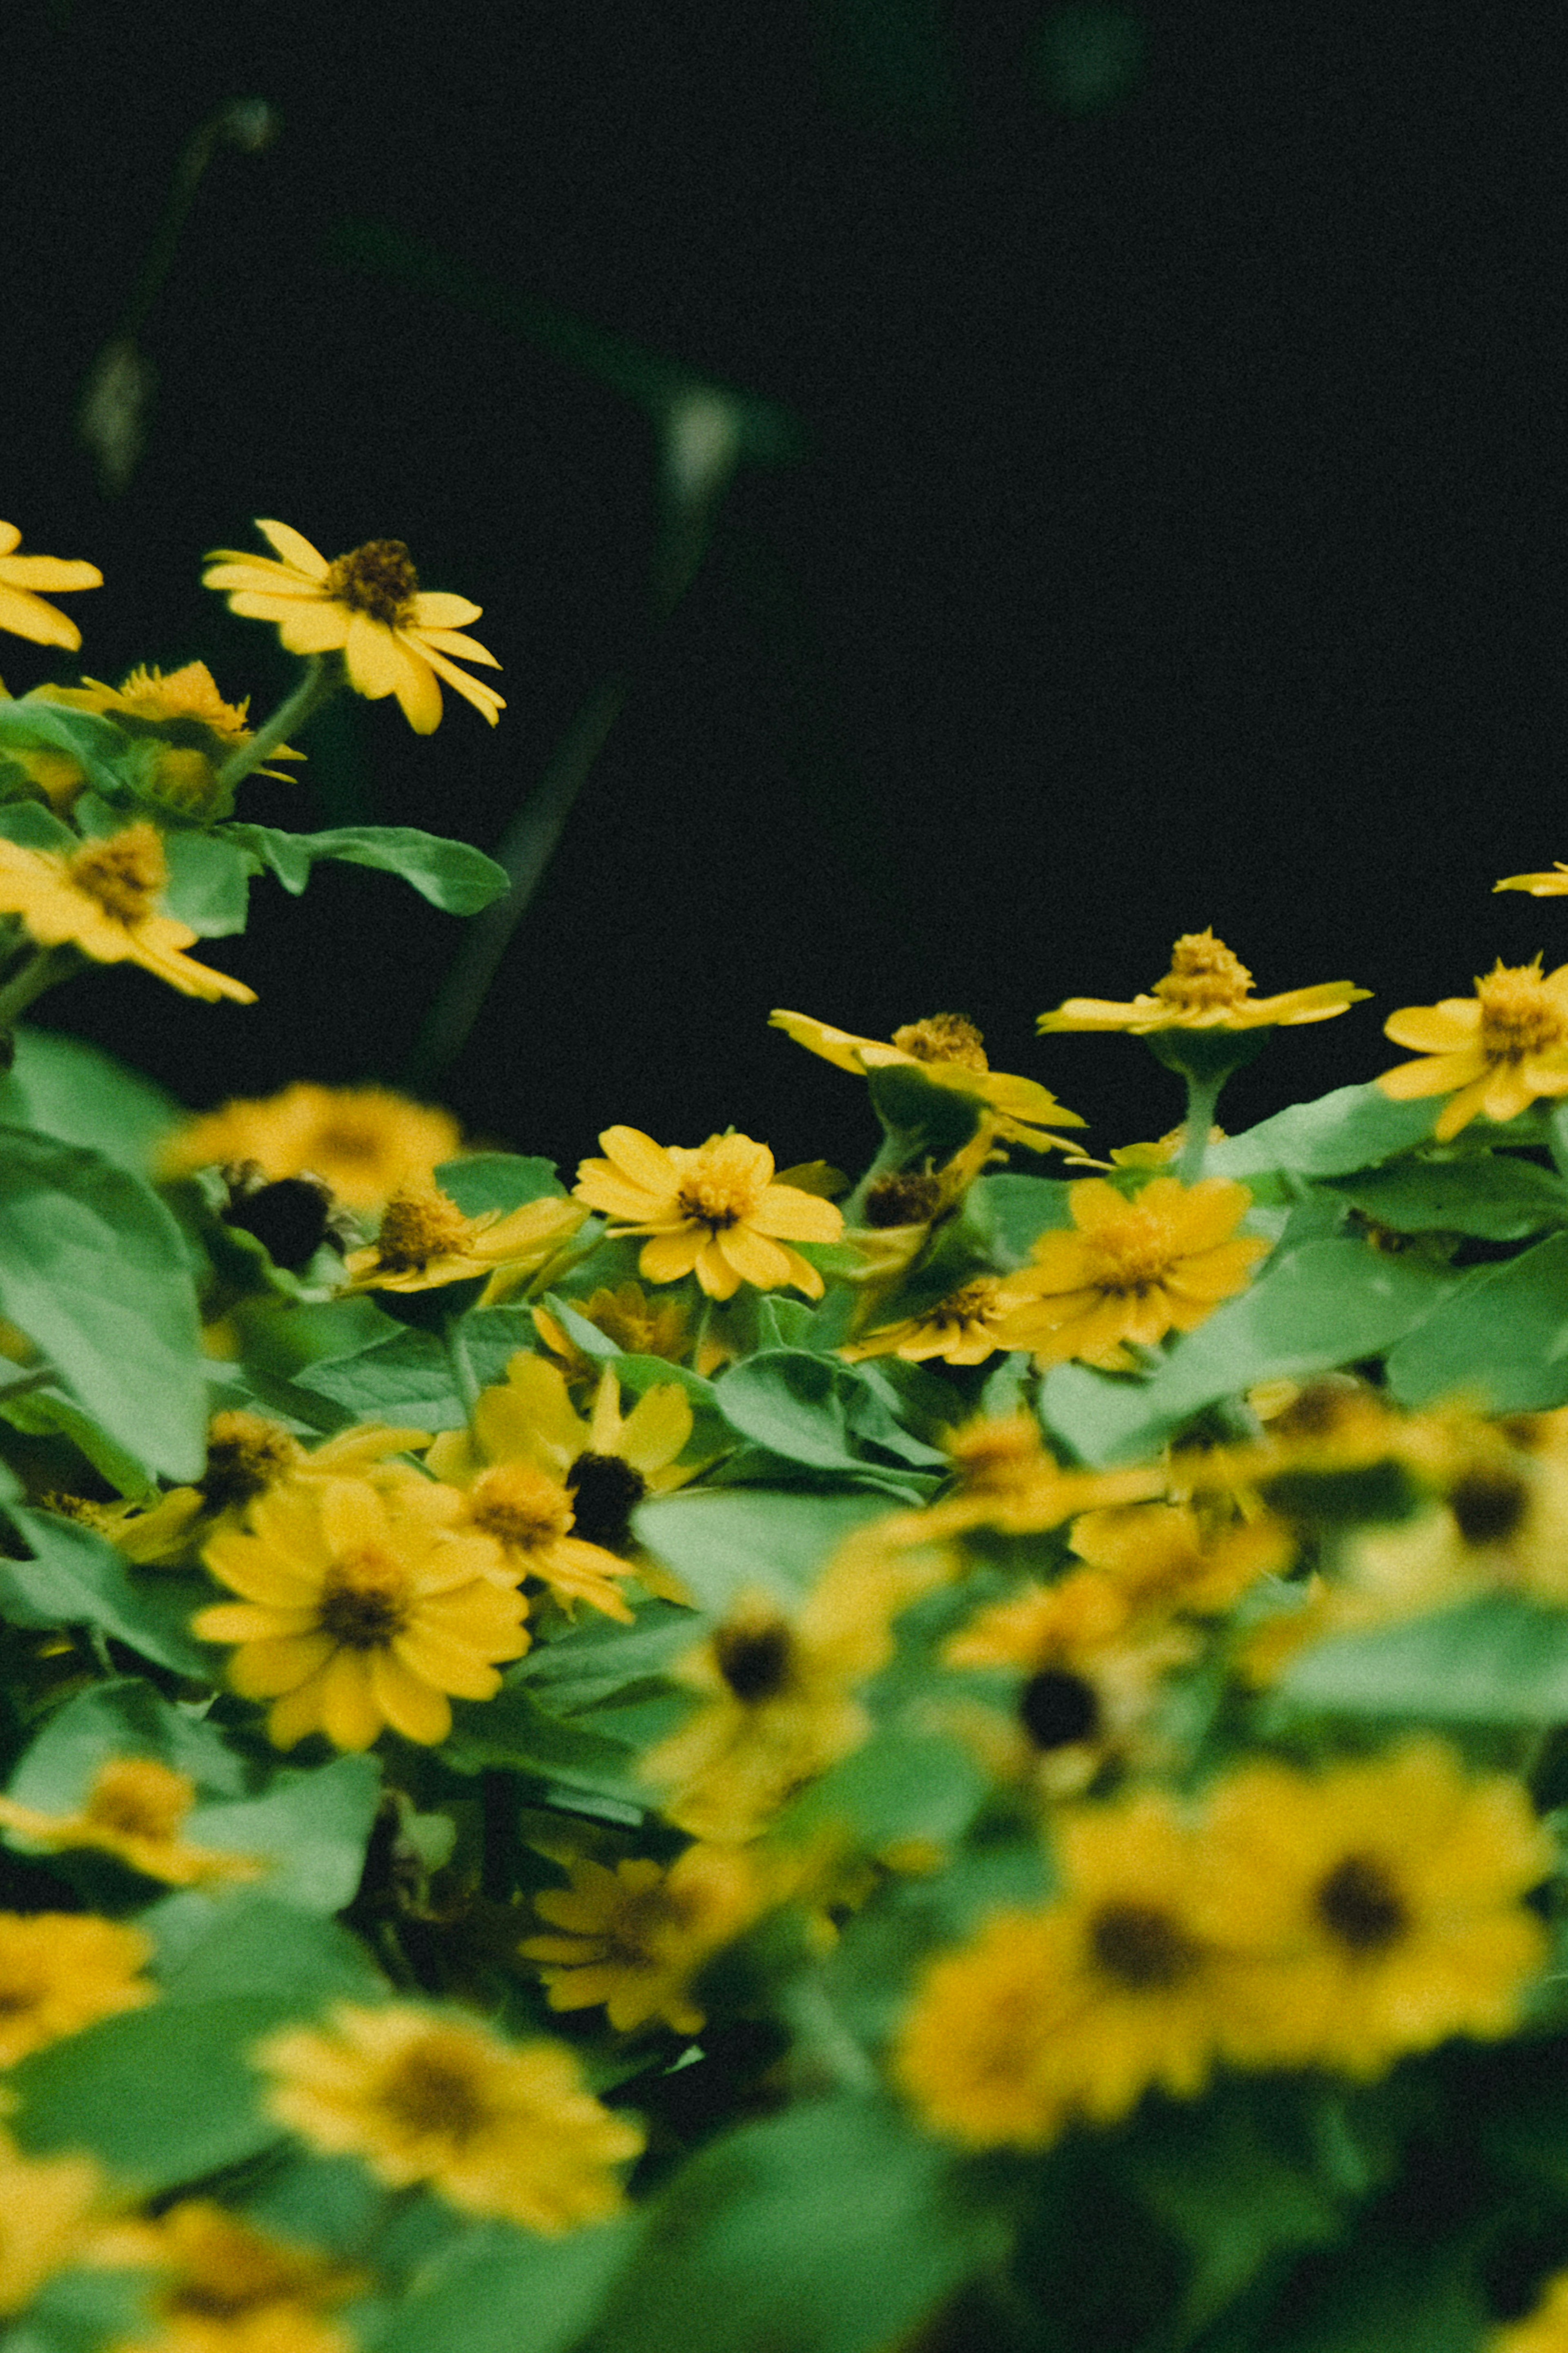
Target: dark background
[1172,533]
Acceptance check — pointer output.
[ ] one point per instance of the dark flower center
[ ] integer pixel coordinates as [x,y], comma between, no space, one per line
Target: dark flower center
[1056,1709]
[1489,1504]
[244,1454]
[754,1659]
[289,1218]
[604,1491]
[364,1601]
[1141,1947]
[124,872]
[909,1198]
[1358,1904]
[429,2090]
[378,578]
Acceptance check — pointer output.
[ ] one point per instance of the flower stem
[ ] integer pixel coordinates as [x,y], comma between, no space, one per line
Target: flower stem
[41,971]
[1203,1095]
[323,676]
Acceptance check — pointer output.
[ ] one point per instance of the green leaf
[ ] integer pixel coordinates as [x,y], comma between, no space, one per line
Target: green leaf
[826,1414]
[96,746]
[1495,1660]
[209,882]
[1353,1127]
[1494,1195]
[33,826]
[923,1120]
[1011,1211]
[50,1413]
[222,1948]
[1501,1336]
[832,2229]
[1328,1303]
[498,1180]
[721,1541]
[73,1090]
[599,1657]
[899,1785]
[512,1731]
[94,1270]
[406,1379]
[77,1578]
[453,875]
[503,2291]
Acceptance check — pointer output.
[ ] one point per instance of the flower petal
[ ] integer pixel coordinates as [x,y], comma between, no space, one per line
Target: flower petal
[294,548]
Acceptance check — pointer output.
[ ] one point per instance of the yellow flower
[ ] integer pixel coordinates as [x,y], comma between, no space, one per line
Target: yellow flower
[59,1970]
[1551,885]
[359,1611]
[1544,2330]
[714,1209]
[368,606]
[133,1809]
[229,2287]
[183,709]
[364,1142]
[46,2209]
[422,2096]
[25,613]
[1131,1271]
[949,1052]
[638,1324]
[636,1936]
[425,1241]
[1207,987]
[1370,1910]
[1073,2011]
[1008,1481]
[1493,1052]
[958,1329]
[1168,1557]
[102,899]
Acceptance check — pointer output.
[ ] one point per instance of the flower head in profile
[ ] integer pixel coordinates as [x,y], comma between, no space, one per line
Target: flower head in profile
[497,2128]
[949,1050]
[1207,987]
[363,1142]
[1494,1052]
[104,899]
[634,1938]
[192,730]
[713,1208]
[1372,1909]
[425,1241]
[21,610]
[47,2213]
[1005,1479]
[360,1611]
[59,1970]
[394,637]
[134,1809]
[958,1328]
[1129,1270]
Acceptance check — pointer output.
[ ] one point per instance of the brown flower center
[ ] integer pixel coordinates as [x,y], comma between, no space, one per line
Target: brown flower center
[520,1507]
[1141,1947]
[968,1304]
[365,1601]
[1489,1504]
[944,1037]
[725,1184]
[1359,1903]
[754,1659]
[416,1228]
[140,1797]
[1519,1017]
[1204,973]
[1132,1255]
[124,872]
[909,1198]
[246,1454]
[1322,1408]
[378,578]
[605,1491]
[996,1454]
[1058,1709]
[435,2088]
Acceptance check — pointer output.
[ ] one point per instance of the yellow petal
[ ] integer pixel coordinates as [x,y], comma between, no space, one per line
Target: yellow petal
[437,608]
[350,1716]
[409,1705]
[294,548]
[637,1156]
[667,1256]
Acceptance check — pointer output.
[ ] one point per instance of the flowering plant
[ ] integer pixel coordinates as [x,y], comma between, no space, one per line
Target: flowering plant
[710,1755]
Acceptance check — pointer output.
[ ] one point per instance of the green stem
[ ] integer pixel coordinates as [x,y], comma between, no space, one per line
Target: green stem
[1203,1095]
[323,676]
[41,971]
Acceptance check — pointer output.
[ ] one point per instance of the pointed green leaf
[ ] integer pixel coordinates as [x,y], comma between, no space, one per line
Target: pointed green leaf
[209,883]
[77,1093]
[77,1578]
[453,875]
[1353,1127]
[1495,1660]
[818,1411]
[1494,1195]
[1501,1336]
[502,2290]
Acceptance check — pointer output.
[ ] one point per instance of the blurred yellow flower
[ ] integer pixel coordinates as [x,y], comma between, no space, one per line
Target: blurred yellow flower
[21,610]
[102,899]
[425,1241]
[46,2213]
[360,1611]
[1207,987]
[1168,1558]
[228,2287]
[133,1809]
[634,1938]
[950,1052]
[501,2128]
[713,1208]
[624,1313]
[59,1970]
[1494,1052]
[1131,1271]
[364,1142]
[1544,2330]
[368,606]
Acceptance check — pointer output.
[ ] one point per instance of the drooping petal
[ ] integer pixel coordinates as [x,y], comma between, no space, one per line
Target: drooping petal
[1447,1029]
[417,691]
[485,700]
[752,1257]
[718,1279]
[656,1428]
[294,548]
[1437,1074]
[28,617]
[371,654]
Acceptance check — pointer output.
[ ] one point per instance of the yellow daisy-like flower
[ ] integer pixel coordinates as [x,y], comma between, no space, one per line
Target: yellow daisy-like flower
[624,1313]
[368,606]
[950,1052]
[1074,2011]
[1207,987]
[421,2096]
[133,1809]
[59,1970]
[364,1142]
[958,1329]
[1544,2330]
[1552,884]
[21,610]
[1131,1270]
[102,899]
[714,1209]
[1169,1558]
[1370,1910]
[1494,1052]
[637,1935]
[183,710]
[425,1241]
[1006,1480]
[46,2216]
[228,2286]
[359,1612]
